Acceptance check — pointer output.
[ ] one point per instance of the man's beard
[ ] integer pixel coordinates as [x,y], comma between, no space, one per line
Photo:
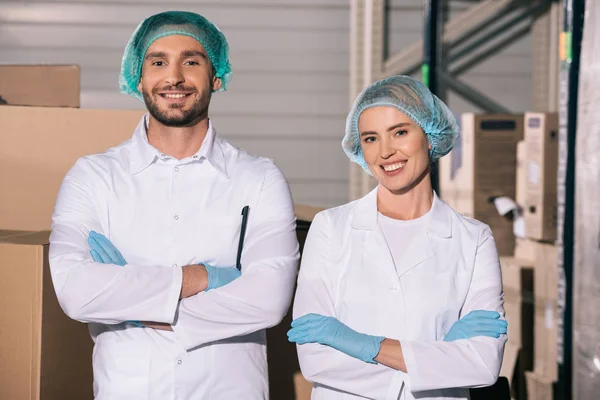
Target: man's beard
[197,112]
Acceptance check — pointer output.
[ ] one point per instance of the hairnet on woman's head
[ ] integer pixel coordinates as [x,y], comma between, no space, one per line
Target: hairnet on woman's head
[414,99]
[173,23]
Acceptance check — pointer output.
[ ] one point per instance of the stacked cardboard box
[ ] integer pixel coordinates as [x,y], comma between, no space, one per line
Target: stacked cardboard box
[539,208]
[546,297]
[531,315]
[539,387]
[518,283]
[40,85]
[481,167]
[53,139]
[541,140]
[45,355]
[530,274]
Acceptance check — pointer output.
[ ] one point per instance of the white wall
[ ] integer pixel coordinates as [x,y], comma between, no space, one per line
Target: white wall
[289,94]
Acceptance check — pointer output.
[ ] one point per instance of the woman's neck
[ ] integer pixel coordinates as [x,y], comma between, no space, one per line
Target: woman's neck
[408,205]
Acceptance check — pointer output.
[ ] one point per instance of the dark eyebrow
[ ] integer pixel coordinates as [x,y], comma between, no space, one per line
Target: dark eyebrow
[185,53]
[193,53]
[391,128]
[155,54]
[400,125]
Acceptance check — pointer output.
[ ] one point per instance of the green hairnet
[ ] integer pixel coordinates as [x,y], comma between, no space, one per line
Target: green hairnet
[173,23]
[414,99]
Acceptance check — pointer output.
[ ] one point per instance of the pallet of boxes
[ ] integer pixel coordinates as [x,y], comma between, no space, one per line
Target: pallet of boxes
[45,354]
[518,287]
[503,172]
[540,208]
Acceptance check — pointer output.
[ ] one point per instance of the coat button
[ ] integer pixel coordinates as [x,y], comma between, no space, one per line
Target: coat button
[179,362]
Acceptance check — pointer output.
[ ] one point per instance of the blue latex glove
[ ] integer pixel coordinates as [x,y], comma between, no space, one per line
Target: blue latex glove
[477,323]
[220,276]
[103,251]
[315,328]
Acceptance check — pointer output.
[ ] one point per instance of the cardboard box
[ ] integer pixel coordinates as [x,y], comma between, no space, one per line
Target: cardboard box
[49,141]
[40,85]
[525,251]
[546,271]
[539,387]
[546,297]
[546,339]
[521,175]
[305,212]
[481,167]
[45,355]
[509,360]
[541,137]
[517,284]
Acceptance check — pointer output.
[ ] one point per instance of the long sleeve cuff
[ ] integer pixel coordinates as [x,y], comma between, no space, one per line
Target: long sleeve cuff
[174,292]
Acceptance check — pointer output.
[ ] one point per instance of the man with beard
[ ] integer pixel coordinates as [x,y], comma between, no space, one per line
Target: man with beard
[145,236]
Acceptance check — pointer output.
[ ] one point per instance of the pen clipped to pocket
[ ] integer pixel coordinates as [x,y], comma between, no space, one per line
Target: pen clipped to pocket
[245,211]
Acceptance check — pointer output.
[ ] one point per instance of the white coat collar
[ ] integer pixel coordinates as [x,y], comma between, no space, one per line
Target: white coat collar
[365,215]
[145,154]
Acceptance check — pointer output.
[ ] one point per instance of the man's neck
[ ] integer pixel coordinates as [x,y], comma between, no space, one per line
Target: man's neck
[177,142]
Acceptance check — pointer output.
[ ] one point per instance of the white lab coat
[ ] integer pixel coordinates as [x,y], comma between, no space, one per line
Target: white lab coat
[163,213]
[449,270]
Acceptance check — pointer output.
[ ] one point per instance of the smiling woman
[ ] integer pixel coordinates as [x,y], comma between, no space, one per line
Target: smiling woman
[394,147]
[398,294]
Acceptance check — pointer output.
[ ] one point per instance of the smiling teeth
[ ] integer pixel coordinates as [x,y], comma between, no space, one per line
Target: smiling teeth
[175,96]
[393,167]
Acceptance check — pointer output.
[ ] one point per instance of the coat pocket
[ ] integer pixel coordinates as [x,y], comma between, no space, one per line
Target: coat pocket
[121,370]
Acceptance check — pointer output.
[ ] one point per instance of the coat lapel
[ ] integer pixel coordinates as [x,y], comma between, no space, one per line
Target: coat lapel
[375,248]
[421,249]
[438,227]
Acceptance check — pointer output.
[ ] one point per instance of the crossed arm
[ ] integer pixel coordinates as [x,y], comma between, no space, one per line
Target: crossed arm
[380,367]
[196,278]
[93,292]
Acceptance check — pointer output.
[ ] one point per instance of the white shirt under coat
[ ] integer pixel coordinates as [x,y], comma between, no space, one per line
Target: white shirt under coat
[163,213]
[450,268]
